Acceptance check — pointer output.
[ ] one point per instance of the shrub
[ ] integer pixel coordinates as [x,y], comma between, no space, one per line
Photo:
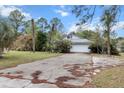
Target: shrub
[62,46]
[41,41]
[99,49]
[23,43]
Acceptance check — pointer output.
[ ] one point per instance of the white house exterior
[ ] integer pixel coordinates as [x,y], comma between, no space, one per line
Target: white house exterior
[80,45]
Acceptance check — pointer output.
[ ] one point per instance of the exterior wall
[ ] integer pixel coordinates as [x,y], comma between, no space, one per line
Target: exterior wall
[80,48]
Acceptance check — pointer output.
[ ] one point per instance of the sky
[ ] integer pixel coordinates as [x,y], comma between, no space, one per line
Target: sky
[63,12]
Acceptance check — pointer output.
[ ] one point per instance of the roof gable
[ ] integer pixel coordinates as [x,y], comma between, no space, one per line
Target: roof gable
[76,39]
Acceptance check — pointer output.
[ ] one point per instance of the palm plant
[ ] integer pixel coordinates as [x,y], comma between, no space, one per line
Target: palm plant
[109,19]
[7,34]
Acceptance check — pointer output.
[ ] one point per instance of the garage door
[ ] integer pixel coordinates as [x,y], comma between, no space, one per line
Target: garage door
[80,48]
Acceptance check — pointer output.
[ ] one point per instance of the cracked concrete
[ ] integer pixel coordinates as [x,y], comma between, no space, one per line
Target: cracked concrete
[51,69]
[66,71]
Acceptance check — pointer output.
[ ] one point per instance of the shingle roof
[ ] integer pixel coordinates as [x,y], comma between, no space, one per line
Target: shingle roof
[76,40]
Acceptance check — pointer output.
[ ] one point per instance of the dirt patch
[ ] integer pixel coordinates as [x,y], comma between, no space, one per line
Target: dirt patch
[1,73]
[76,73]
[89,85]
[61,82]
[36,79]
[64,78]
[36,74]
[75,69]
[19,72]
[12,76]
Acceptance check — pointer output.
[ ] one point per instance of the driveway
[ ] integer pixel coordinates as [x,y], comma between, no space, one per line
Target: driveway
[68,70]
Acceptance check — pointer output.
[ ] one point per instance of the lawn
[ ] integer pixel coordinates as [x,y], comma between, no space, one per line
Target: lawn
[110,78]
[14,58]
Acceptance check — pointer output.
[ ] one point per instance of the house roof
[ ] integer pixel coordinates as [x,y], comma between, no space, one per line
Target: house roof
[77,40]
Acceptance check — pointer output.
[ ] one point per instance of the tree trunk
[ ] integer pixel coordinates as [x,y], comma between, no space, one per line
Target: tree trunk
[1,52]
[33,35]
[108,42]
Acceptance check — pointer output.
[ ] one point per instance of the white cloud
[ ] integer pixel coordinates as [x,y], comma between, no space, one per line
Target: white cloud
[118,26]
[5,11]
[62,6]
[62,13]
[75,28]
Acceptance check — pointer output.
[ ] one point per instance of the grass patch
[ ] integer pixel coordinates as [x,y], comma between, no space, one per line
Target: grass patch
[110,78]
[14,58]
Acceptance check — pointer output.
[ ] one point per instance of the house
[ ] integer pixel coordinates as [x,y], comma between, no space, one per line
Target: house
[120,45]
[79,45]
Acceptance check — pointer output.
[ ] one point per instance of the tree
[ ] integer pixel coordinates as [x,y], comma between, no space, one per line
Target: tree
[55,33]
[33,35]
[63,46]
[23,43]
[7,34]
[41,41]
[85,13]
[27,27]
[87,34]
[42,23]
[16,18]
[56,24]
[109,17]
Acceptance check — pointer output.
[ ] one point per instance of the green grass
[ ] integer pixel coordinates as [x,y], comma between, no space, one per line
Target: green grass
[110,78]
[14,58]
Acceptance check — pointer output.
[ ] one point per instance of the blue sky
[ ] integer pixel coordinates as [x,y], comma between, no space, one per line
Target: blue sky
[49,12]
[62,12]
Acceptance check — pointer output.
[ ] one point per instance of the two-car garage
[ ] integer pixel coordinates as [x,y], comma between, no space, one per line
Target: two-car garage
[80,48]
[80,45]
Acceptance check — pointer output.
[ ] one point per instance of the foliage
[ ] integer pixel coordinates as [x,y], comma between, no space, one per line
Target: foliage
[54,34]
[16,18]
[109,18]
[27,27]
[100,49]
[7,34]
[63,46]
[120,44]
[41,41]
[23,43]
[85,13]
[43,24]
[56,24]
[87,34]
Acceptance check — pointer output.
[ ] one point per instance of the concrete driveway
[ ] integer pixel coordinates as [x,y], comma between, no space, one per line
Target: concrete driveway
[66,71]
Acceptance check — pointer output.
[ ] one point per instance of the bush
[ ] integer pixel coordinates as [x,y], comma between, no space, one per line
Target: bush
[62,46]
[99,49]
[23,43]
[41,41]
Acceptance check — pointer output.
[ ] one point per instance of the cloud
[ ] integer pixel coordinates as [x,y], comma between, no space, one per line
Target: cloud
[118,26]
[62,6]
[62,13]
[75,28]
[5,11]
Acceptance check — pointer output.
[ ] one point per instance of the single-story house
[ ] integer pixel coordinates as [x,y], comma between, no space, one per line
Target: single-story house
[120,46]
[79,45]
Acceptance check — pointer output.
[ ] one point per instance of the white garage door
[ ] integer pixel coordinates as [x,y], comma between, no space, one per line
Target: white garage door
[80,48]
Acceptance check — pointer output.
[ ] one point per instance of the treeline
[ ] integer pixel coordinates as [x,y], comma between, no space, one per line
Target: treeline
[16,34]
